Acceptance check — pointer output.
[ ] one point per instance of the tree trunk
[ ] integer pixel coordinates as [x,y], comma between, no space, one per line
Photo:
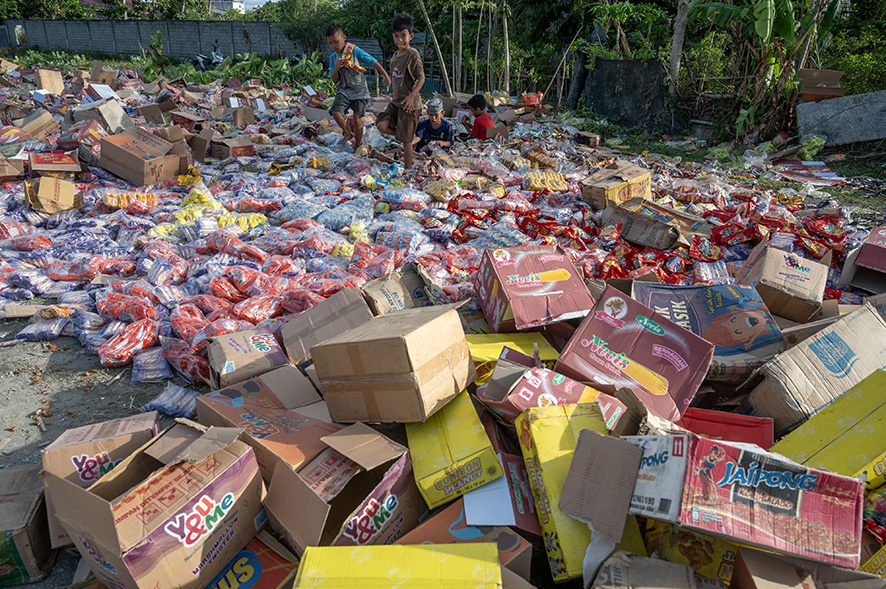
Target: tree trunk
[677,48]
[819,6]
[424,11]
[477,46]
[579,75]
[461,30]
[504,24]
[454,67]
[490,30]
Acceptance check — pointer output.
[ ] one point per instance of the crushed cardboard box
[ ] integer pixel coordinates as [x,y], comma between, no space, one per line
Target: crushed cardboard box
[25,552]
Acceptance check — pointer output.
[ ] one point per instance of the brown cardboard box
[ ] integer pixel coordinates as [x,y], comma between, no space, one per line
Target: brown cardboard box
[407,287]
[107,112]
[800,381]
[792,287]
[529,286]
[500,130]
[11,168]
[589,139]
[628,571]
[138,156]
[83,455]
[25,554]
[283,417]
[641,229]
[243,116]
[760,570]
[177,137]
[344,310]
[52,162]
[199,144]
[38,125]
[376,503]
[614,184]
[187,120]
[448,526]
[52,195]
[50,80]
[173,514]
[100,75]
[237,147]
[239,356]
[401,367]
[156,113]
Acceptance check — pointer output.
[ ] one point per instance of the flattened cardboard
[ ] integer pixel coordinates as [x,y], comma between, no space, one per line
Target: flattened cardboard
[526,287]
[401,367]
[448,526]
[846,436]
[614,184]
[129,524]
[376,506]
[641,229]
[548,436]
[344,310]
[138,157]
[456,566]
[38,125]
[52,162]
[25,553]
[804,379]
[407,287]
[107,112]
[11,168]
[732,317]
[629,571]
[792,287]
[83,455]
[243,116]
[273,410]
[239,356]
[52,195]
[623,343]
[50,80]
[237,147]
[759,570]
[742,494]
[451,453]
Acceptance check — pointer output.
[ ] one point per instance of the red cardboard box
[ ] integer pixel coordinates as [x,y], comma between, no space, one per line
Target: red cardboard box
[530,286]
[625,344]
[262,564]
[731,427]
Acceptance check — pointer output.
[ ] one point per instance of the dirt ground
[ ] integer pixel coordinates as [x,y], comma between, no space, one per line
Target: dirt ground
[72,389]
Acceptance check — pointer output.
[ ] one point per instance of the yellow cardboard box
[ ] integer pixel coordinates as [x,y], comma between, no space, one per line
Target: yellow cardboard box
[457,566]
[486,349]
[848,436]
[548,436]
[708,556]
[451,452]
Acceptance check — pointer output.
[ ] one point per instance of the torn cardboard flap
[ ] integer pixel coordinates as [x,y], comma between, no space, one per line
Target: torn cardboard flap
[630,571]
[600,482]
[52,195]
[50,80]
[364,445]
[215,439]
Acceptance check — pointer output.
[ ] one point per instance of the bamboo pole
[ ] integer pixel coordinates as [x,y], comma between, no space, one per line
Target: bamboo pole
[424,11]
[477,46]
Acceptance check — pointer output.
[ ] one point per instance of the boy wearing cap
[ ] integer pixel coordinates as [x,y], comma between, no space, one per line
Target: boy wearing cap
[433,132]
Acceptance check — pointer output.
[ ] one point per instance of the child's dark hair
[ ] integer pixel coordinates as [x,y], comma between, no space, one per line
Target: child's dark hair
[334,29]
[477,101]
[403,21]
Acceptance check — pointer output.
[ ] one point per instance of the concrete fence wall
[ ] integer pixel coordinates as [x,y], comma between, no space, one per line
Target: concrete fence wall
[181,38]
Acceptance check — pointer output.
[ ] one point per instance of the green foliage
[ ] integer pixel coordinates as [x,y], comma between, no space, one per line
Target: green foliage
[858,49]
[647,27]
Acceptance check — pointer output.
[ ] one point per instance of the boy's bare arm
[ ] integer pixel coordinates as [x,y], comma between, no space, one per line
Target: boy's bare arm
[381,70]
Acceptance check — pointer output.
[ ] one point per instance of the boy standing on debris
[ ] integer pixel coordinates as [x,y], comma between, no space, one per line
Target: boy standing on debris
[433,132]
[400,119]
[482,120]
[347,64]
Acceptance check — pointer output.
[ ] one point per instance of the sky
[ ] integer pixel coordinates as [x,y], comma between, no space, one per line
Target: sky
[251,4]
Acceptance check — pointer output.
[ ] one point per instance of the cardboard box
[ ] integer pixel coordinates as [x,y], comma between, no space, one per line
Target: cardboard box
[187,120]
[517,385]
[263,563]
[376,500]
[529,286]
[52,162]
[458,566]
[400,367]
[239,356]
[11,168]
[243,116]
[816,85]
[407,287]
[792,287]
[50,80]
[173,514]
[83,455]
[282,415]
[237,147]
[52,195]
[708,556]
[759,570]
[500,130]
[628,571]
[750,497]
[731,427]
[88,132]
[623,343]
[139,157]
[25,553]
[548,437]
[451,452]
[157,113]
[38,124]
[846,436]
[107,112]
[448,526]
[586,138]
[804,379]
[732,317]
[641,229]
[341,312]
[614,184]
[873,251]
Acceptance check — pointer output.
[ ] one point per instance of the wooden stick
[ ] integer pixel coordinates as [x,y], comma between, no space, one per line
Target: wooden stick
[565,53]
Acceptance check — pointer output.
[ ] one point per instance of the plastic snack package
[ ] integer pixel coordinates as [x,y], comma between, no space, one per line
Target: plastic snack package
[118,350]
[150,366]
[175,401]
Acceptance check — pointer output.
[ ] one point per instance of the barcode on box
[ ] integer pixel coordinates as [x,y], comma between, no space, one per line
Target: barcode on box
[664,505]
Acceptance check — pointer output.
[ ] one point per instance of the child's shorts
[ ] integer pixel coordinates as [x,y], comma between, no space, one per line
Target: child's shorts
[342,103]
[403,123]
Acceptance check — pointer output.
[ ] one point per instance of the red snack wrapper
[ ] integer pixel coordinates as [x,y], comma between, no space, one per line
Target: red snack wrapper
[118,350]
[702,249]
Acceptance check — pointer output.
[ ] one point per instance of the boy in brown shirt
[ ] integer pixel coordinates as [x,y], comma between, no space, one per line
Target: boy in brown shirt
[400,119]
